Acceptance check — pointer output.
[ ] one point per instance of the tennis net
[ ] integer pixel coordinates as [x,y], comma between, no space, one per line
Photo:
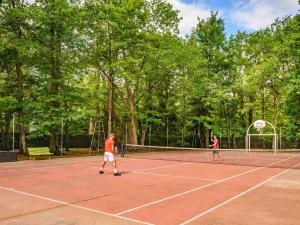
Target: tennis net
[242,157]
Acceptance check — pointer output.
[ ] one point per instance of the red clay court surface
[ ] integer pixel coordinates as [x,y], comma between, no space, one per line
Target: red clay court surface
[70,191]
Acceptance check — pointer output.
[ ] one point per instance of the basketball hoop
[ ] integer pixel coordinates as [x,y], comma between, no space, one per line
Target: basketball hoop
[259,125]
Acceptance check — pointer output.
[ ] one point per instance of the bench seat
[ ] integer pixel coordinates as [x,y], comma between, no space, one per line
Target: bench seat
[39,151]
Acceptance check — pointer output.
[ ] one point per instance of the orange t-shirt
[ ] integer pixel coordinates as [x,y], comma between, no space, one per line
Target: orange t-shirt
[109,145]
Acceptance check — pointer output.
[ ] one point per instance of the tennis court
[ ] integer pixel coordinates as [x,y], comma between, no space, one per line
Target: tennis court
[153,190]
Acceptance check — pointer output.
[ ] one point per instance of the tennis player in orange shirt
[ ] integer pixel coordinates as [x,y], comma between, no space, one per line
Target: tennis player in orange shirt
[110,154]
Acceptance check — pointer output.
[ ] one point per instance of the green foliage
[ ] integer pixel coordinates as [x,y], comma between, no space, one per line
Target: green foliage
[82,61]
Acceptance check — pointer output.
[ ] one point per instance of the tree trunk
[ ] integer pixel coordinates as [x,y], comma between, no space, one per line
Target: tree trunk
[263,114]
[229,141]
[91,128]
[18,65]
[202,136]
[276,109]
[55,82]
[67,138]
[4,129]
[250,117]
[53,140]
[263,105]
[199,138]
[22,139]
[206,138]
[234,141]
[6,132]
[20,111]
[2,137]
[243,117]
[109,105]
[110,83]
[132,122]
[143,136]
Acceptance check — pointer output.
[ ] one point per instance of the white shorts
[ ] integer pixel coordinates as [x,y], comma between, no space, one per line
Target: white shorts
[108,156]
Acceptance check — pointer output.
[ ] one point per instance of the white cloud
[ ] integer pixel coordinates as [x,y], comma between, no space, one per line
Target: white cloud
[258,14]
[189,13]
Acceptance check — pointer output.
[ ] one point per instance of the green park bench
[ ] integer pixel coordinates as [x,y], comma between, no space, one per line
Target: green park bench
[39,151]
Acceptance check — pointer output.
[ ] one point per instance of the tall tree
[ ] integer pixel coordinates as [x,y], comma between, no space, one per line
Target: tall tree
[209,36]
[55,64]
[15,27]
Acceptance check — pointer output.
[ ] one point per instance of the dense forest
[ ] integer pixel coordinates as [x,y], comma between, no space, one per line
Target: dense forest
[123,62]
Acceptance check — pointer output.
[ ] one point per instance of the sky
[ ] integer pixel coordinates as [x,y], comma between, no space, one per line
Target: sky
[243,15]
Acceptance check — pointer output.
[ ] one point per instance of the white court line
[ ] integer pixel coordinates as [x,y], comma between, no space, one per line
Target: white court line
[153,168]
[237,196]
[160,174]
[201,187]
[50,167]
[90,166]
[166,175]
[159,167]
[48,162]
[73,205]
[131,159]
[82,163]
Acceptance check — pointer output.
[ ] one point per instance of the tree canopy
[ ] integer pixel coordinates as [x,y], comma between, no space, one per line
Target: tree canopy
[124,63]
